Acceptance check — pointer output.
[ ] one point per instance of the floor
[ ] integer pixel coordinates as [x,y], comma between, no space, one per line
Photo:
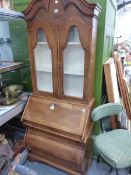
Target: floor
[95,169]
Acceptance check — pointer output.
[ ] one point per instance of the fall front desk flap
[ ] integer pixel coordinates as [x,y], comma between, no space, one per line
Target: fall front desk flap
[56,115]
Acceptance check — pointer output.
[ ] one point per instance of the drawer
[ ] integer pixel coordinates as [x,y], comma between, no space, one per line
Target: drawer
[54,148]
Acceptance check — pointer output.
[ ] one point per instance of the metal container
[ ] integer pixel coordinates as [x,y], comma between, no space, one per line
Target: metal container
[13,91]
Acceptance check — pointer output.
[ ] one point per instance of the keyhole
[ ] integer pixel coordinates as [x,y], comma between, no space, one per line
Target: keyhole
[56,11]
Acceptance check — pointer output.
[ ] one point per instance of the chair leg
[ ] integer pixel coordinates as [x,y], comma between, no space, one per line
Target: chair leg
[117,173]
[98,159]
[110,171]
[130,171]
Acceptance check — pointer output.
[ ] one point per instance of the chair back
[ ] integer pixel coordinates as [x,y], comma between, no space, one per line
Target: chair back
[106,110]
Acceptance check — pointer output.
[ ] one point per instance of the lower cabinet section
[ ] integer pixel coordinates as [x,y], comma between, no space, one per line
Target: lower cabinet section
[59,137]
[69,158]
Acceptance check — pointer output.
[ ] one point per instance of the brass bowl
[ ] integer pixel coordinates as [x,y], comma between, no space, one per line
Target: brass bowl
[8,101]
[13,91]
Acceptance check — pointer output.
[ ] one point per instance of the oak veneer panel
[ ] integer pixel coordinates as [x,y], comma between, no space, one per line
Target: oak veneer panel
[66,117]
[62,151]
[72,169]
[59,137]
[68,158]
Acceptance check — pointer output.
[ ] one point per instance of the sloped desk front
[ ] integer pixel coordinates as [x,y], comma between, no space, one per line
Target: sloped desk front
[9,112]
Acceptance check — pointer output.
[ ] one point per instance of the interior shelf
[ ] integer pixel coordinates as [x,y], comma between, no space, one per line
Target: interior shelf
[69,43]
[66,73]
[45,70]
[44,81]
[73,73]
[42,42]
[74,43]
[73,85]
[7,15]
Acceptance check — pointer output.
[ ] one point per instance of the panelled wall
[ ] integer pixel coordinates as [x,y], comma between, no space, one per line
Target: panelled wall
[105,35]
[110,19]
[106,30]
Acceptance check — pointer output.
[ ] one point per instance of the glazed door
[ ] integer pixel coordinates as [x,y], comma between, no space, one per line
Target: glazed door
[43,64]
[63,53]
[73,61]
[43,70]
[73,66]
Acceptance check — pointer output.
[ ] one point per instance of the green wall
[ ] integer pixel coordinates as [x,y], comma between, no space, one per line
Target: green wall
[19,44]
[20,5]
[105,37]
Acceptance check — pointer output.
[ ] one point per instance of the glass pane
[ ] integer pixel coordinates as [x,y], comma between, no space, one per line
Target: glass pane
[43,63]
[74,58]
[73,85]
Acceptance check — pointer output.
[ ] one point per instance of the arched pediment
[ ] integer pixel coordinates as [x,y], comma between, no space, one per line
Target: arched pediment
[83,6]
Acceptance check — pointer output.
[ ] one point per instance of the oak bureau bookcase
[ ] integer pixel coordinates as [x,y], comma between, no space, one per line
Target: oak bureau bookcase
[62,43]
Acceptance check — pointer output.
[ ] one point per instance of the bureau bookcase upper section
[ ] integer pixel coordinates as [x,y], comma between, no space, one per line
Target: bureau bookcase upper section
[62,42]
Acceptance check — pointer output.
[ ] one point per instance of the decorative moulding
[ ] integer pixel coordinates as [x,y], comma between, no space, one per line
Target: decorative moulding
[83,6]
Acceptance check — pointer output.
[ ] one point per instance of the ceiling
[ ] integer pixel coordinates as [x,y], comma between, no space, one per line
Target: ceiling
[123,3]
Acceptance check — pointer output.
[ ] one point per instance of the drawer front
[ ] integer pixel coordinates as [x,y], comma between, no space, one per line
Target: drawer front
[54,148]
[61,116]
